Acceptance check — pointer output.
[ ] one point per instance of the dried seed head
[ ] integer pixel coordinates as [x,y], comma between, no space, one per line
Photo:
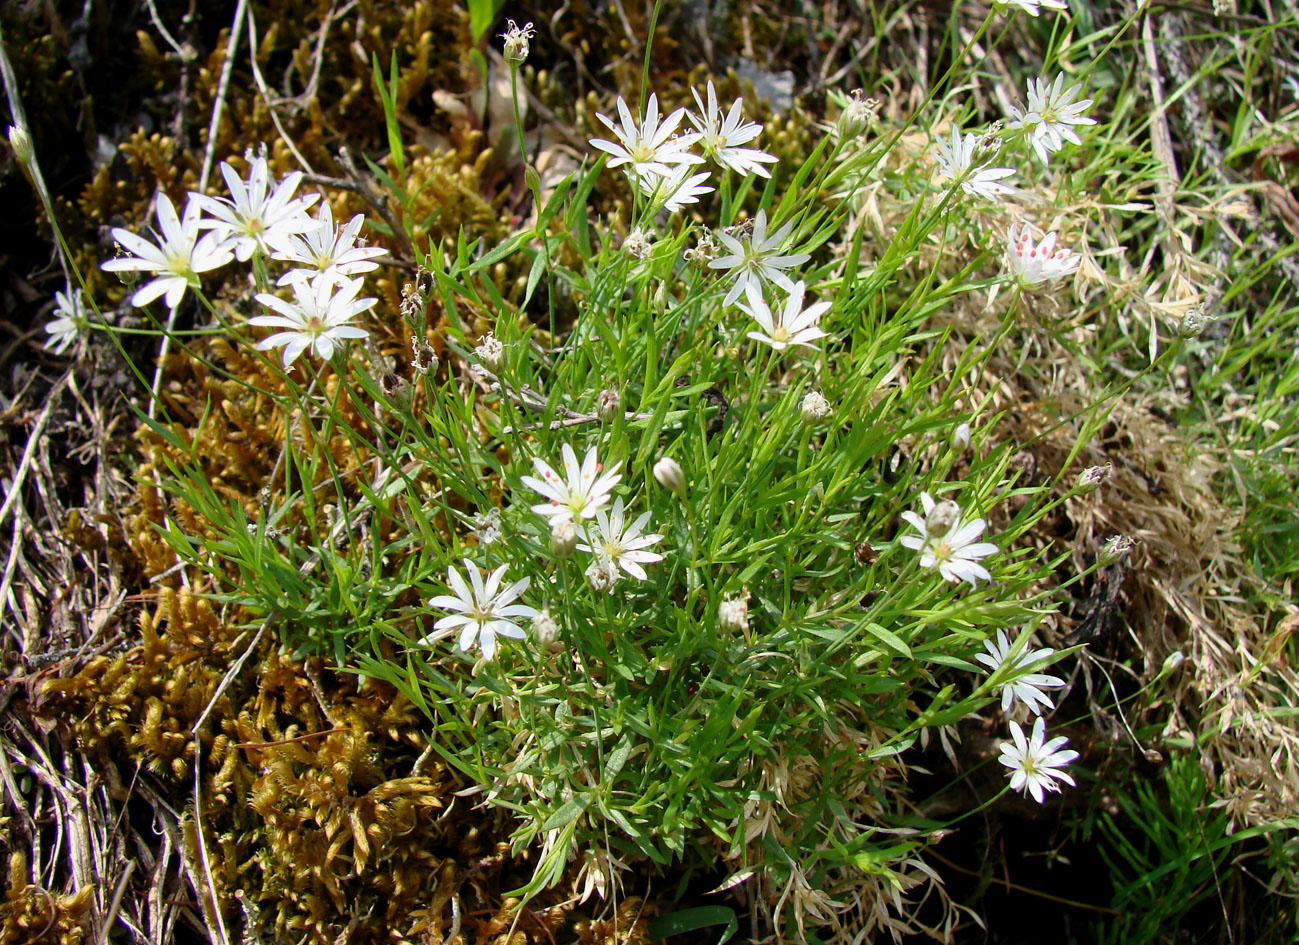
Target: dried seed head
[491,353]
[1092,478]
[1194,322]
[516,42]
[425,360]
[396,390]
[856,116]
[1115,547]
[21,144]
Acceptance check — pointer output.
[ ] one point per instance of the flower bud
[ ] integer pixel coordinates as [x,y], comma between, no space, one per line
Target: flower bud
[398,392]
[607,404]
[516,42]
[733,613]
[531,179]
[1172,662]
[815,407]
[563,538]
[491,353]
[1092,478]
[21,144]
[942,518]
[669,475]
[961,438]
[546,631]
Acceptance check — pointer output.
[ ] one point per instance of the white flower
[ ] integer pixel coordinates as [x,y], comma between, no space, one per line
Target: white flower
[1027,687]
[651,148]
[1032,264]
[733,613]
[318,320]
[678,189]
[756,260]
[637,245]
[855,117]
[72,320]
[252,218]
[491,353]
[1051,115]
[1031,6]
[516,41]
[718,136]
[815,407]
[1033,764]
[484,611]
[578,496]
[177,259]
[621,543]
[946,543]
[791,325]
[669,474]
[956,163]
[326,248]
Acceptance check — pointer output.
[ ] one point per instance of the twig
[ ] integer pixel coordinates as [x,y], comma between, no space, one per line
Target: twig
[265,92]
[110,917]
[184,53]
[223,87]
[196,731]
[379,202]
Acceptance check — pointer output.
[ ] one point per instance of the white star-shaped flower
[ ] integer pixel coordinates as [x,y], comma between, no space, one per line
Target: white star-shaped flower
[251,219]
[317,320]
[580,493]
[72,320]
[483,611]
[1027,687]
[946,543]
[1034,763]
[678,189]
[1051,116]
[650,148]
[1032,264]
[757,260]
[720,136]
[620,543]
[325,248]
[956,163]
[1032,7]
[177,259]
[788,326]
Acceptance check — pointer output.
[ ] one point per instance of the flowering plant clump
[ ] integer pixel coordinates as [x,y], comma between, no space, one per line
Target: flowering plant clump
[648,507]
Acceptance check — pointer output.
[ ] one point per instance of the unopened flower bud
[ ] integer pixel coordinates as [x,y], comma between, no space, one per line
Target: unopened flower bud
[399,393]
[669,475]
[607,404]
[1115,547]
[563,538]
[1092,478]
[546,631]
[942,518]
[1194,322]
[491,353]
[1172,662]
[531,179]
[961,438]
[637,245]
[21,144]
[733,613]
[815,407]
[516,42]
